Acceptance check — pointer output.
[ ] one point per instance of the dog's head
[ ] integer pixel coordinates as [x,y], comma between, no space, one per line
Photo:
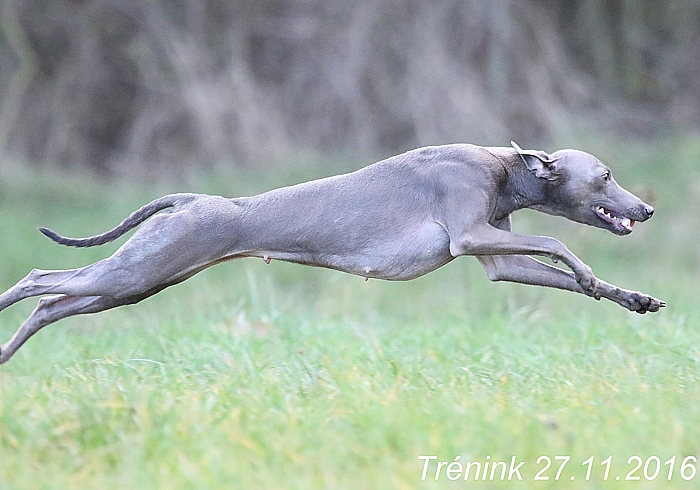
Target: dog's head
[581,188]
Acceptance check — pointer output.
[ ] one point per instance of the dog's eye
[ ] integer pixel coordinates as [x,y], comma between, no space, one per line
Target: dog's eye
[606,176]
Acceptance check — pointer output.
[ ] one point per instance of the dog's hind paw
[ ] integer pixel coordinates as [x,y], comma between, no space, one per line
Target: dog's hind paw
[5,354]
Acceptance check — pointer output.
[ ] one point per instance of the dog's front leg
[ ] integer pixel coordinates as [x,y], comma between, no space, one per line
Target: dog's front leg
[527,270]
[488,240]
[632,300]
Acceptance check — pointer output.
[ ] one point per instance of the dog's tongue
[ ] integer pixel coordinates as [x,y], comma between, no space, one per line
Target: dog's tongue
[627,223]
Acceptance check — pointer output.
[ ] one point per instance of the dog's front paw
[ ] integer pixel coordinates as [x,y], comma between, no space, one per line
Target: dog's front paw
[587,281]
[641,303]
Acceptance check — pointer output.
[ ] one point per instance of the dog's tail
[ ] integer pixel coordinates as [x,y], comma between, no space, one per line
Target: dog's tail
[135,219]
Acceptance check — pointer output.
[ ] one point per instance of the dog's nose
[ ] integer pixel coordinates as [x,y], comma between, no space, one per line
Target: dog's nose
[648,210]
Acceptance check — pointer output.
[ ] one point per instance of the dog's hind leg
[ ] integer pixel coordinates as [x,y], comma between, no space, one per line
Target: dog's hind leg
[166,250]
[55,308]
[36,283]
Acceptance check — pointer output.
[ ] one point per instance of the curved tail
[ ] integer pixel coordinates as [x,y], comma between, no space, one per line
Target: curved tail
[135,219]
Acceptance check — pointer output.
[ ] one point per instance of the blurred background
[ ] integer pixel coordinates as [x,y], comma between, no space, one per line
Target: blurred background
[127,88]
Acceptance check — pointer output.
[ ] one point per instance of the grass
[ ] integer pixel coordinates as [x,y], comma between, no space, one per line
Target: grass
[254,376]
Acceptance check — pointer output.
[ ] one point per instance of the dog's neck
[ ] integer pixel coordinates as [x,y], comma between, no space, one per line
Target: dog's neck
[520,188]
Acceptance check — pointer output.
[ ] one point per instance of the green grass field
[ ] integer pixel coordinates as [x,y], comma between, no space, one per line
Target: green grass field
[254,376]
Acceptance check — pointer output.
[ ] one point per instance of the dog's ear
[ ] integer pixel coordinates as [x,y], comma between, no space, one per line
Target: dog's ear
[540,162]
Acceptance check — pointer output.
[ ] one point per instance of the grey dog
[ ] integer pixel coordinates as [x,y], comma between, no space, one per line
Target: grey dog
[397,219]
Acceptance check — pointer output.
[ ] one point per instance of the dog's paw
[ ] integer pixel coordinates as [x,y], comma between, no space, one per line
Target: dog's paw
[5,353]
[587,281]
[642,303]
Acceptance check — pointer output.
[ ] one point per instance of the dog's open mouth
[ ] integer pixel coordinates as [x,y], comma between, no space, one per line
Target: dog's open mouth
[620,223]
